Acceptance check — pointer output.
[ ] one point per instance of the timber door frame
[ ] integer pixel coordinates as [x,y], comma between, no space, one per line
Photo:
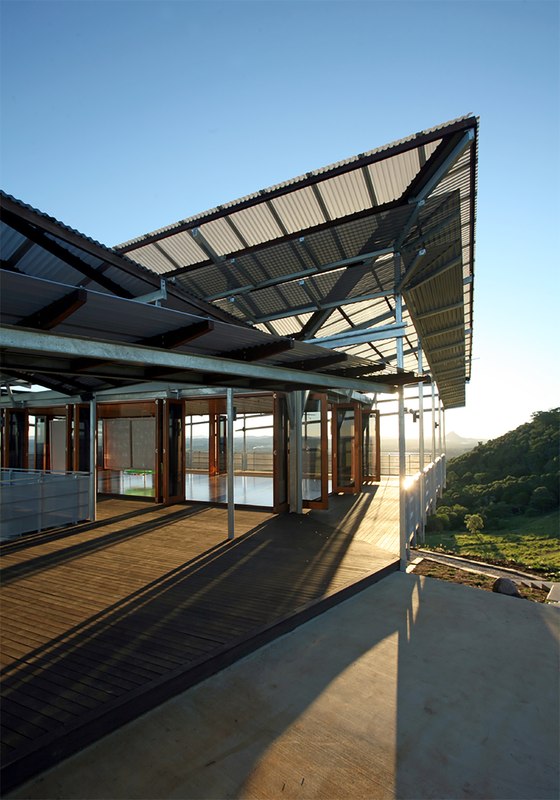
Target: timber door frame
[166,454]
[323,501]
[356,448]
[374,476]
[280,482]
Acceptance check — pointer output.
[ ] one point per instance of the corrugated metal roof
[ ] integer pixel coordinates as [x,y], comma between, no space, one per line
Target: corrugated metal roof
[341,212]
[104,317]
[288,258]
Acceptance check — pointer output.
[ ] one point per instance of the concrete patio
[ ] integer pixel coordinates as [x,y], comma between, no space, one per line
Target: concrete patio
[413,688]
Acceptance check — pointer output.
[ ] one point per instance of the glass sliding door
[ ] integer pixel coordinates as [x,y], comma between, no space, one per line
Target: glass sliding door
[346,445]
[370,446]
[173,452]
[315,452]
[279,454]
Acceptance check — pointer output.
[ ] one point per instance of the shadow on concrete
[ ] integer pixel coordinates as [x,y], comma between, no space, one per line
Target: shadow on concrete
[173,632]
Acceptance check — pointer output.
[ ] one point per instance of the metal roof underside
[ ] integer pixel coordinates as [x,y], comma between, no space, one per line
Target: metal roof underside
[321,256]
[301,276]
[78,341]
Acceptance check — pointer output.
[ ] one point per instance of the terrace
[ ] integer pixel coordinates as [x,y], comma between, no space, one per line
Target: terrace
[106,620]
[306,303]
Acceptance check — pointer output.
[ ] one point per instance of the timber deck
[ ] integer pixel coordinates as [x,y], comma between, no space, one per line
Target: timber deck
[103,621]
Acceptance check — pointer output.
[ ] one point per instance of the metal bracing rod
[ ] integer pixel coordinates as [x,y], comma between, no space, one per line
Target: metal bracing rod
[37,341]
[304,273]
[205,245]
[230,475]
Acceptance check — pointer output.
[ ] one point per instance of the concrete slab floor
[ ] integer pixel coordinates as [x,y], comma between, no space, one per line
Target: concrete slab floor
[415,688]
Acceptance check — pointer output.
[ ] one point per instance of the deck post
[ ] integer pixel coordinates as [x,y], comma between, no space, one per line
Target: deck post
[230,475]
[433,421]
[92,459]
[403,543]
[440,444]
[421,444]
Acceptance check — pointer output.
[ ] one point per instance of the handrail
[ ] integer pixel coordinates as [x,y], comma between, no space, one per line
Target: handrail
[421,492]
[33,500]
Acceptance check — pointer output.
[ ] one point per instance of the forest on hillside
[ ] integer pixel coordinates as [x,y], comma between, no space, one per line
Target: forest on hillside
[516,474]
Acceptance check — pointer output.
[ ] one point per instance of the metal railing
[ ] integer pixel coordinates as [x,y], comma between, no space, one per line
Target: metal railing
[421,493]
[34,500]
[390,462]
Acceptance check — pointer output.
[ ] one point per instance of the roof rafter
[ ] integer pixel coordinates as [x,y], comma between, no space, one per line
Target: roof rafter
[56,312]
[260,351]
[40,238]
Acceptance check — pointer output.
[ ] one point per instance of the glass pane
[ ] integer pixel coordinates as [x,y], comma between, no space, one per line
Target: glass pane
[58,444]
[345,446]
[16,440]
[369,449]
[280,453]
[174,449]
[312,451]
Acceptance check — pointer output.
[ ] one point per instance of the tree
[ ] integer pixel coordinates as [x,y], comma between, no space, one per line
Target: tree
[474,523]
[542,500]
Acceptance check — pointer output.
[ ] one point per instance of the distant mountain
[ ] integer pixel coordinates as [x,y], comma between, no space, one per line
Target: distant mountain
[456,445]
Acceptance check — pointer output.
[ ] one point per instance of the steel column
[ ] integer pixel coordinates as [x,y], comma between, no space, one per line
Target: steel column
[92,458]
[421,442]
[433,422]
[403,548]
[439,428]
[230,475]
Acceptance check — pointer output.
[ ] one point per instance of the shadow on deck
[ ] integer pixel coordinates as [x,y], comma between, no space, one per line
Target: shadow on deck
[105,621]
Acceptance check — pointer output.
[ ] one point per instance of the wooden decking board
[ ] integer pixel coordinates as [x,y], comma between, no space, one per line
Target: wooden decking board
[110,617]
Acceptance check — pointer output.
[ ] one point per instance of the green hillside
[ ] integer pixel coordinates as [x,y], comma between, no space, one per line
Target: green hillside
[513,483]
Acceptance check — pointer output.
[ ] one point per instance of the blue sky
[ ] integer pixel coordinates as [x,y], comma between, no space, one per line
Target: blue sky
[121,117]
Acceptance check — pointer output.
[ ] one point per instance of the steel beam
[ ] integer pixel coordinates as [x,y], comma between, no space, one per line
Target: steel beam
[304,273]
[311,309]
[412,269]
[22,340]
[358,337]
[444,167]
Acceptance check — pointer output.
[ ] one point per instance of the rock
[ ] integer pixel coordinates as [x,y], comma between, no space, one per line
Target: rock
[506,586]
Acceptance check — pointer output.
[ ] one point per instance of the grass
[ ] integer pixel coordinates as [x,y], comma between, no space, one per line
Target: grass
[529,544]
[433,570]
